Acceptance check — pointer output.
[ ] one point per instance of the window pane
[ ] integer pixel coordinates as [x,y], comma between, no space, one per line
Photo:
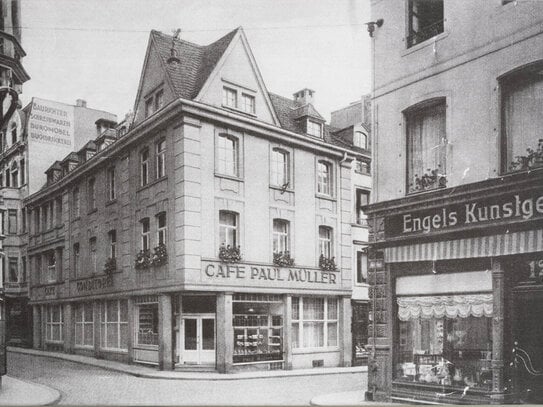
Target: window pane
[89,335]
[332,333]
[332,308]
[313,334]
[124,310]
[112,311]
[295,335]
[124,336]
[78,331]
[295,308]
[112,337]
[313,308]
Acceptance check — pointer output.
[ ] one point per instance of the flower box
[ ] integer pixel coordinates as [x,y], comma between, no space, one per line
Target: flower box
[143,260]
[111,265]
[327,264]
[230,254]
[283,259]
[160,255]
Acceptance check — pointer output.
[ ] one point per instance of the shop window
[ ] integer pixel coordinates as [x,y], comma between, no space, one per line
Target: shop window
[145,234]
[445,341]
[426,146]
[324,178]
[111,193]
[84,324]
[76,260]
[248,103]
[12,221]
[144,167]
[147,329]
[114,325]
[314,128]
[162,228]
[522,142]
[161,158]
[54,324]
[76,203]
[360,332]
[229,97]
[281,240]
[13,264]
[91,194]
[227,155]
[326,242]
[279,168]
[361,267]
[112,237]
[314,322]
[425,20]
[258,328]
[362,200]
[360,140]
[228,228]
[93,255]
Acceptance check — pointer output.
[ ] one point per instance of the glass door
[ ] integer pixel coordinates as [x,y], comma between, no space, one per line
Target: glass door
[198,339]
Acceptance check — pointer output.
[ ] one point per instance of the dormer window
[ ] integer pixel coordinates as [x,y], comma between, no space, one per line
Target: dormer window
[360,140]
[149,107]
[314,129]
[248,103]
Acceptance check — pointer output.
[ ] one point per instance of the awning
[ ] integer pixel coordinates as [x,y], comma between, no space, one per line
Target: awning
[449,306]
[527,241]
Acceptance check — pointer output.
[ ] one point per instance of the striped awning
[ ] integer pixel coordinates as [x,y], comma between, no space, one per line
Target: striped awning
[528,241]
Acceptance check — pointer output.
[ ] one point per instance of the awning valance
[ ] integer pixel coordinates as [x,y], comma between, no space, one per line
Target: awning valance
[449,306]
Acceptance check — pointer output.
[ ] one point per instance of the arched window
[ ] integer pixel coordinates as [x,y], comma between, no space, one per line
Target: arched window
[326,241]
[360,140]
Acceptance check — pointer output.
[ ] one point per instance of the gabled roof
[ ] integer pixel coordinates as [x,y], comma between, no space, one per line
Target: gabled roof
[308,111]
[196,62]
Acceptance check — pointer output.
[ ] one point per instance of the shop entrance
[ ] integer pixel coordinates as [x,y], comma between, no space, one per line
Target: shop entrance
[529,338]
[198,339]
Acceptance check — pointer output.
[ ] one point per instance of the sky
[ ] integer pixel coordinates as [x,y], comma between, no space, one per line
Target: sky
[94,49]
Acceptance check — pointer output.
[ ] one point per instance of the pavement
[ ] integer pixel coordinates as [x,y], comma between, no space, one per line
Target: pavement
[346,398]
[15,392]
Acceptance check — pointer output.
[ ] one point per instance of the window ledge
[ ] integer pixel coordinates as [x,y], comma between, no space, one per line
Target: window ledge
[277,187]
[236,110]
[327,197]
[151,183]
[425,43]
[302,351]
[232,177]
[115,350]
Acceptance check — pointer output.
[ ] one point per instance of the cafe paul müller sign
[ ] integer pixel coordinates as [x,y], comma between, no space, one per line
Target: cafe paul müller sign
[487,211]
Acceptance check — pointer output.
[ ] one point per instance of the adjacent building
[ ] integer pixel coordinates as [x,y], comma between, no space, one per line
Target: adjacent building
[214,233]
[36,137]
[455,263]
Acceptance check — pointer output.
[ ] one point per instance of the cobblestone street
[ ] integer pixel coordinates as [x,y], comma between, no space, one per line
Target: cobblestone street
[82,384]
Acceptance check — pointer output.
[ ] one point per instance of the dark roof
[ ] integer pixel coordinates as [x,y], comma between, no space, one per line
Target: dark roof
[108,133]
[54,166]
[71,157]
[307,111]
[196,61]
[90,145]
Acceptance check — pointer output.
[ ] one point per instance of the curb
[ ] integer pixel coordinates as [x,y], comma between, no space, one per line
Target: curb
[149,373]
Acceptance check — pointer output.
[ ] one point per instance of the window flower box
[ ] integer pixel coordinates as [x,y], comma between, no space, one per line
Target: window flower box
[160,255]
[229,254]
[143,260]
[532,159]
[283,259]
[111,265]
[431,179]
[327,264]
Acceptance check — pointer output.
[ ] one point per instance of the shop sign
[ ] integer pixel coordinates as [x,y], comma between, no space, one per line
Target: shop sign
[267,274]
[93,284]
[490,211]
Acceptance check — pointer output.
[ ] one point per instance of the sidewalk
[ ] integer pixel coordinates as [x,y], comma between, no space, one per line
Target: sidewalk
[15,392]
[153,373]
[347,398]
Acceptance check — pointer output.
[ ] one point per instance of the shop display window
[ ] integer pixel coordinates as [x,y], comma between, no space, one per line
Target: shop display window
[147,324]
[258,328]
[54,324]
[114,325]
[84,324]
[314,322]
[445,351]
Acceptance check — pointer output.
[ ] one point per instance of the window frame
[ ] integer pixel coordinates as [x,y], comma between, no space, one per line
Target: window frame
[275,165]
[411,38]
[13,227]
[13,261]
[326,241]
[93,255]
[281,238]
[111,187]
[76,250]
[50,323]
[144,166]
[361,217]
[360,139]
[324,188]
[91,194]
[145,234]
[226,100]
[76,198]
[251,107]
[227,229]
[162,231]
[223,169]
[112,240]
[83,323]
[326,321]
[160,158]
[312,125]
[105,324]
[361,274]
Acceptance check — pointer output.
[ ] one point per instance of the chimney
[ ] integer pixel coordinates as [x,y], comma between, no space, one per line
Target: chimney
[81,103]
[304,96]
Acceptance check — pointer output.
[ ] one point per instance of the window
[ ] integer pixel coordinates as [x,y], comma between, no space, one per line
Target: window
[360,140]
[111,183]
[76,259]
[23,276]
[14,175]
[425,20]
[279,167]
[8,178]
[145,234]
[314,129]
[144,167]
[23,169]
[248,103]
[147,324]
[114,325]
[51,267]
[38,268]
[314,322]
[84,324]
[76,203]
[93,255]
[149,107]
[160,158]
[23,220]
[13,276]
[12,221]
[363,167]
[281,241]
[324,178]
[112,237]
[228,228]
[426,147]
[522,118]
[361,267]
[13,130]
[159,100]
[229,97]
[37,222]
[51,210]
[162,228]
[58,204]
[54,323]
[92,194]
[362,199]
[325,242]
[227,155]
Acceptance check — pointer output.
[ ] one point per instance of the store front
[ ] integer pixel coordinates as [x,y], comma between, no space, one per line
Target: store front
[456,292]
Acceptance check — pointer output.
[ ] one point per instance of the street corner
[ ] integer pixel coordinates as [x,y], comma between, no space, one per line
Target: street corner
[15,392]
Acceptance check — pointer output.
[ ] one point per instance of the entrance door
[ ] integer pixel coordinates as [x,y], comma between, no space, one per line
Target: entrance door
[529,336]
[198,345]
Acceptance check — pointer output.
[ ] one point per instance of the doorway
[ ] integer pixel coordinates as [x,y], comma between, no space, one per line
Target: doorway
[198,339]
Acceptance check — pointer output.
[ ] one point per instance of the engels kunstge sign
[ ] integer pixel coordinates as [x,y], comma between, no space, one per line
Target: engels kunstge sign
[489,211]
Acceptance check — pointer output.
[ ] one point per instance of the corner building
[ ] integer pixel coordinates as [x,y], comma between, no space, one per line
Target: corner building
[214,233]
[455,228]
